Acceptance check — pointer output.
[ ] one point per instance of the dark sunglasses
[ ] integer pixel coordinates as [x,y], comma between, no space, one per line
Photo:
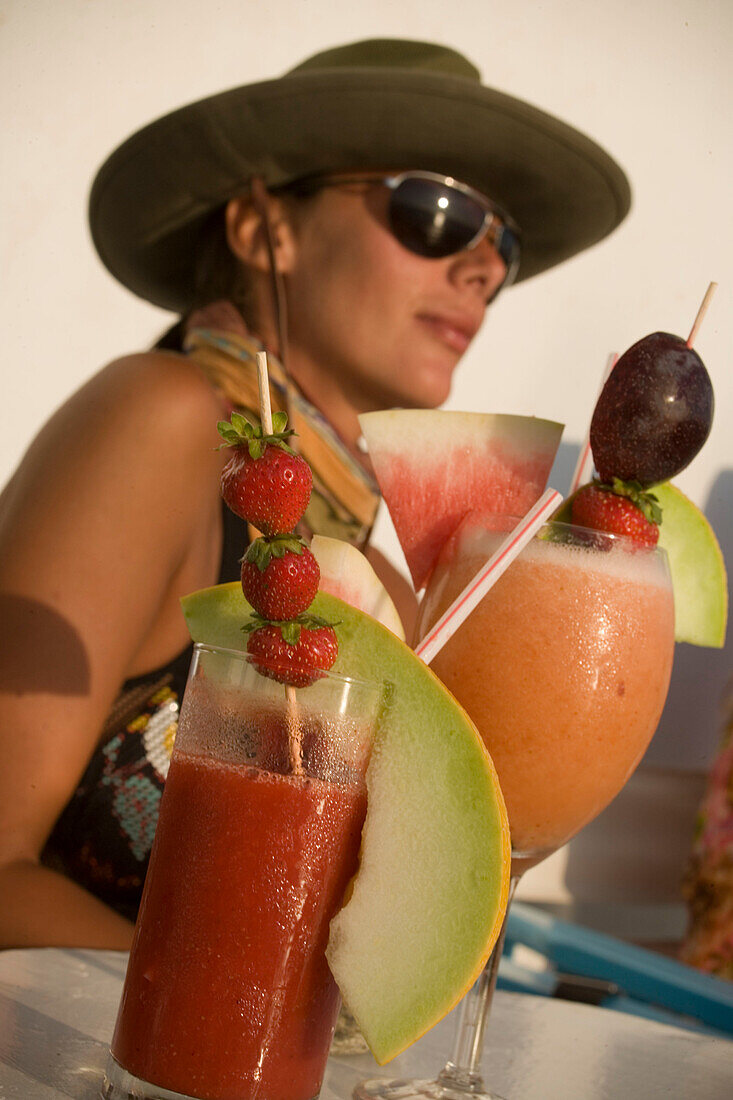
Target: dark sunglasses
[436,216]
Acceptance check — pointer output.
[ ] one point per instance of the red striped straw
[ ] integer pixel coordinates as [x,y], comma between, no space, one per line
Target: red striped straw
[487,576]
[584,465]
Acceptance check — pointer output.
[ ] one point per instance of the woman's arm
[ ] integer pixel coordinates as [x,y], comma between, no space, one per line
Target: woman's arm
[110,518]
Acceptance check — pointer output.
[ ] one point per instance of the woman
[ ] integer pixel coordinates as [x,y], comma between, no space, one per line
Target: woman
[335,188]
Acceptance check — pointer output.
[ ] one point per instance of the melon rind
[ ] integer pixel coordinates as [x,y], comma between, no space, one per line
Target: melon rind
[434,466]
[348,574]
[697,567]
[431,891]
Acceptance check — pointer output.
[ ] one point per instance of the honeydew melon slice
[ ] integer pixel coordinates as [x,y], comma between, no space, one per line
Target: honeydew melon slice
[346,573]
[431,890]
[434,466]
[697,567]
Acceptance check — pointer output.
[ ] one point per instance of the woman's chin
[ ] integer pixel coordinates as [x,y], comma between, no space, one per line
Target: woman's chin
[431,388]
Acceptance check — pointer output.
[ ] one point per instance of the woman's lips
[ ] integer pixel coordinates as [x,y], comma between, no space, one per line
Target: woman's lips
[455,334]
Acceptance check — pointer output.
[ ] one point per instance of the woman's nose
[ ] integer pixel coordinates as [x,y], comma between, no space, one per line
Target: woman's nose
[481,268]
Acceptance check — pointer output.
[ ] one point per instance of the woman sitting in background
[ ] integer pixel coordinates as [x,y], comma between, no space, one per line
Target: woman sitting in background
[387,196]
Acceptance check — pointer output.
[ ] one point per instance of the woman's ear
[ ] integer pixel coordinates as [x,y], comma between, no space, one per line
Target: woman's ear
[247,234]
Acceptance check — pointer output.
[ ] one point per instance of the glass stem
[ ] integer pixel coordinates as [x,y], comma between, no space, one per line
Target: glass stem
[463,1071]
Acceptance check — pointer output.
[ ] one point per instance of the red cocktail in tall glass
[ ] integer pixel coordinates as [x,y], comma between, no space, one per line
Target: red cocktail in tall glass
[228,995]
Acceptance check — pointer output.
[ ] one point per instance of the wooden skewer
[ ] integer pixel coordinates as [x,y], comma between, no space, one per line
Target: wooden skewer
[292,718]
[295,731]
[701,313]
[263,384]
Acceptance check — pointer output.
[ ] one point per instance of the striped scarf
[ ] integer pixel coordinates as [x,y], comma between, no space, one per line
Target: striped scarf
[345,498]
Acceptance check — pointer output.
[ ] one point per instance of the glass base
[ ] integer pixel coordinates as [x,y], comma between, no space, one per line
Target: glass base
[441,1089]
[347,1039]
[120,1085]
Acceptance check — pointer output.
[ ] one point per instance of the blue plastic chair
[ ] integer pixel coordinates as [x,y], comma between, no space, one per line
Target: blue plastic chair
[589,966]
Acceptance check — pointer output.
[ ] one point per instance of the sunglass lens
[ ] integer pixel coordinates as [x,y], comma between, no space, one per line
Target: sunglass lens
[507,245]
[433,220]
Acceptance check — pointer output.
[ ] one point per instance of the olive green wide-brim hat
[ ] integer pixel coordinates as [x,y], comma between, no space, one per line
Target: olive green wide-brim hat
[379,104]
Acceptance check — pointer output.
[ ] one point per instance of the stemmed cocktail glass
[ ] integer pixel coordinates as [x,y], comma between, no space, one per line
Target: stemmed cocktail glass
[564,667]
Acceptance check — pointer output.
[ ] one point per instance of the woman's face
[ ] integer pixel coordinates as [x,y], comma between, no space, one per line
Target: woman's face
[390,325]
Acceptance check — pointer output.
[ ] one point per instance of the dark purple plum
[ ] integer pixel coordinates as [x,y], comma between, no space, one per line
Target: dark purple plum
[654,412]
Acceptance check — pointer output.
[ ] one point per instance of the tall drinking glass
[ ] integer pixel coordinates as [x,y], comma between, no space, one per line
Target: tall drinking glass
[228,995]
[564,667]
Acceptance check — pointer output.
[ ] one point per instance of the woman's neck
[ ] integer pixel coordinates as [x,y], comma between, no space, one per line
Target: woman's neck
[318,386]
[322,390]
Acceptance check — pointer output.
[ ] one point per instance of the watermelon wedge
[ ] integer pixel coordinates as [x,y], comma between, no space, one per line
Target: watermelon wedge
[434,466]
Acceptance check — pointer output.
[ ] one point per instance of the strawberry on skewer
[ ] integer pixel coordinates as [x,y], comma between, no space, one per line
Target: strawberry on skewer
[280,576]
[267,484]
[620,509]
[264,481]
[294,652]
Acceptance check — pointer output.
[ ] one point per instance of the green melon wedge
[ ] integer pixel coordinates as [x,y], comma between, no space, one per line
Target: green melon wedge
[427,902]
[697,568]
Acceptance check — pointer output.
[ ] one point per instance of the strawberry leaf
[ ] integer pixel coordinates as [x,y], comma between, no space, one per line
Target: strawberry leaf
[254,622]
[307,619]
[279,423]
[262,550]
[243,426]
[311,620]
[258,553]
[280,545]
[228,433]
[645,501]
[291,632]
[239,430]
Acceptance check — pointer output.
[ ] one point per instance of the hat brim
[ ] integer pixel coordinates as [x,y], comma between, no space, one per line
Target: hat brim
[154,193]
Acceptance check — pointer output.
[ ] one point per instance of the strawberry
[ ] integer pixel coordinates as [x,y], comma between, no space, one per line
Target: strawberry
[622,508]
[264,481]
[280,576]
[296,652]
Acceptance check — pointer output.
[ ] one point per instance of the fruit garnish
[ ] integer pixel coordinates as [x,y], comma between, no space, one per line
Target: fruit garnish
[238,431]
[295,652]
[697,567]
[652,417]
[264,482]
[654,412]
[267,484]
[696,564]
[432,885]
[346,573]
[279,576]
[434,466]
[621,508]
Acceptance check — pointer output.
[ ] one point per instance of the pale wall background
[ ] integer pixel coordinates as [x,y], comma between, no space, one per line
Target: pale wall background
[649,79]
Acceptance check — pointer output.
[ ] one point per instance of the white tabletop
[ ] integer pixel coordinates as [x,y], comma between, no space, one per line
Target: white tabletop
[58,1007]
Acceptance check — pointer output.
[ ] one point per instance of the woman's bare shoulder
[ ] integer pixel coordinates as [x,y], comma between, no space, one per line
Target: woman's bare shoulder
[152,384]
[148,407]
[142,428]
